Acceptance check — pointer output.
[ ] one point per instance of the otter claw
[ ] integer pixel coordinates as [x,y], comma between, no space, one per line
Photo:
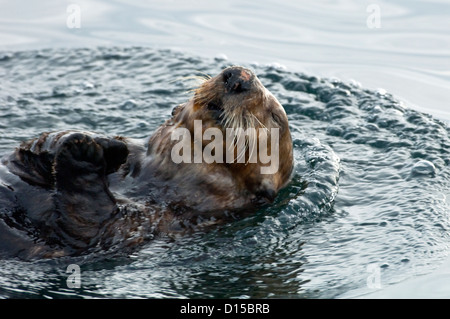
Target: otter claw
[79,147]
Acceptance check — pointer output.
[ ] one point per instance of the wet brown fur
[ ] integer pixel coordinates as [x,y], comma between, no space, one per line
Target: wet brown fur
[68,193]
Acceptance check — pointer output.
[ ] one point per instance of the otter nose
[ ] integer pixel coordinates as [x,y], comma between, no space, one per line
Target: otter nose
[237,80]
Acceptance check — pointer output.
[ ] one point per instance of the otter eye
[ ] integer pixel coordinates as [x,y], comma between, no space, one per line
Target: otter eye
[216,111]
[213,106]
[226,77]
[280,121]
[277,119]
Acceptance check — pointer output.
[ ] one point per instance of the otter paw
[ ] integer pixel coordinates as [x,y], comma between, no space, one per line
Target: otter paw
[80,152]
[115,152]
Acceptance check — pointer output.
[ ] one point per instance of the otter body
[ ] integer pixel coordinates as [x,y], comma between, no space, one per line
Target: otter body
[70,193]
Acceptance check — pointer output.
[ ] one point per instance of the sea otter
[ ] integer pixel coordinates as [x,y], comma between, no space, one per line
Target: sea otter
[70,193]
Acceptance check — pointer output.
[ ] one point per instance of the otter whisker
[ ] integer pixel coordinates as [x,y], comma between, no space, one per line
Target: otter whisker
[189,77]
[196,88]
[253,146]
[230,120]
[262,125]
[251,140]
[239,132]
[201,80]
[205,75]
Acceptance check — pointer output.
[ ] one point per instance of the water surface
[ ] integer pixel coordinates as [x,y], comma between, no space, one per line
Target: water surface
[408,55]
[376,170]
[369,187]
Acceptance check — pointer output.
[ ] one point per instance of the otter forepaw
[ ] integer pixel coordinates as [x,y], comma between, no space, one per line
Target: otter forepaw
[80,152]
[115,153]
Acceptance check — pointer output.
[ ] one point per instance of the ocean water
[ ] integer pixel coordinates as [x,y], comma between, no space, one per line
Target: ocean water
[367,212]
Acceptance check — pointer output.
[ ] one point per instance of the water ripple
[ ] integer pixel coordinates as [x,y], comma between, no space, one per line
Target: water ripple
[370,181]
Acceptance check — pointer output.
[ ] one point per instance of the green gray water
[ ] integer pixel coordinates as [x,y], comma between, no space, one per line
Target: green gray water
[370,184]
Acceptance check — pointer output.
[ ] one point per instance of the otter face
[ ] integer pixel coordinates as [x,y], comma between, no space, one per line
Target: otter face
[253,128]
[236,98]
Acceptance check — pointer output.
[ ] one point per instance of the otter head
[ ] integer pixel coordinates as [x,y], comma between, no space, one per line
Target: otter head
[256,145]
